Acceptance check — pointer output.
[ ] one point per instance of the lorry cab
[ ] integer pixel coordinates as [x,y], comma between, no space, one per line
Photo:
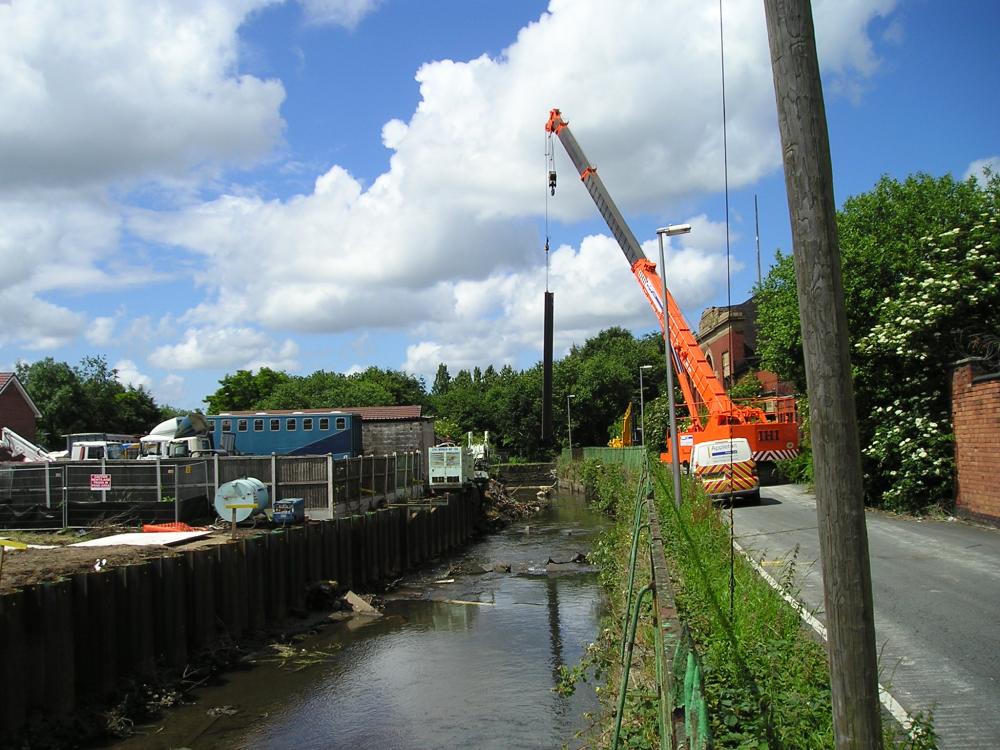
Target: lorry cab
[95,450]
[726,467]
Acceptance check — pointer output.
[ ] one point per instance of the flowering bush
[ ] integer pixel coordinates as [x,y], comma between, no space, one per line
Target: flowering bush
[904,362]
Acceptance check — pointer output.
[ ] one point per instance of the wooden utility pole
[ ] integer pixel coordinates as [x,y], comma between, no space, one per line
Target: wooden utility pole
[843,538]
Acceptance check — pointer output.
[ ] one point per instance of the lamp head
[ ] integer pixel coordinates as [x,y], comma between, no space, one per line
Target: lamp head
[671,229]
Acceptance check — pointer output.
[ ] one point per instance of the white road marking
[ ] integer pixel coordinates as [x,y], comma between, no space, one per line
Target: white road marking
[888,702]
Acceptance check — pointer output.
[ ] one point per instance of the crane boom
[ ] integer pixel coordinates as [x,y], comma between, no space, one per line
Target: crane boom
[686,349]
[694,374]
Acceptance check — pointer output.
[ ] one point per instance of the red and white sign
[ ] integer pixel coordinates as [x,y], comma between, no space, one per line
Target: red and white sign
[100,481]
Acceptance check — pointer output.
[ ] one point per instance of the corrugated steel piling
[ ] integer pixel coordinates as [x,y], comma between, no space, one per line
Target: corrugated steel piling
[78,640]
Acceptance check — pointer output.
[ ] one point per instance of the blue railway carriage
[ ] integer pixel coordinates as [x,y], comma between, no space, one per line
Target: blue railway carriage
[314,432]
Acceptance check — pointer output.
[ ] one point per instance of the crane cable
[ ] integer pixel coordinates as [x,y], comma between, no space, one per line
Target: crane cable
[729,309]
[550,167]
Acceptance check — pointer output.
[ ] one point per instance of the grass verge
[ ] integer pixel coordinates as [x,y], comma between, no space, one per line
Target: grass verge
[765,679]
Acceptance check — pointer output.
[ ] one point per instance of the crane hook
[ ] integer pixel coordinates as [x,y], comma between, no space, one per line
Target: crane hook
[552,181]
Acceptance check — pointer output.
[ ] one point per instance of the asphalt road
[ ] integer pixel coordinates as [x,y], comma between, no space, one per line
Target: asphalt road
[936,588]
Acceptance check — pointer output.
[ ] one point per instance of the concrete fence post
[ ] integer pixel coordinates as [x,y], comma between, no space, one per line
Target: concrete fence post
[65,496]
[330,502]
[215,471]
[159,481]
[274,477]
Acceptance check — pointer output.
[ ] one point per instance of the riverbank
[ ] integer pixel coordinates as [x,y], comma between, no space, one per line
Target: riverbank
[766,680]
[466,653]
[95,650]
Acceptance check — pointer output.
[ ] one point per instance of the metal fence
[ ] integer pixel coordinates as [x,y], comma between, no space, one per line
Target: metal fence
[62,494]
[633,457]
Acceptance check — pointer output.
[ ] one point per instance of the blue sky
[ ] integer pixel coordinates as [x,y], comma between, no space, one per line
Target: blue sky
[192,188]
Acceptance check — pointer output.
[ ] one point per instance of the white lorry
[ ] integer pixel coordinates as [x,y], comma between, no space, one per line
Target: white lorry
[179,437]
[23,449]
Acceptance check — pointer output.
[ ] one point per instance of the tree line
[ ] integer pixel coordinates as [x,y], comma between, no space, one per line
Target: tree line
[602,375]
[921,262]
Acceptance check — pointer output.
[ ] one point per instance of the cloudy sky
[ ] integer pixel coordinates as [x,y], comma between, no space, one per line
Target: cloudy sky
[194,187]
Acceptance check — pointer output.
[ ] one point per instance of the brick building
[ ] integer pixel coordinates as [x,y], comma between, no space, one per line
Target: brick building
[17,410]
[975,414]
[728,336]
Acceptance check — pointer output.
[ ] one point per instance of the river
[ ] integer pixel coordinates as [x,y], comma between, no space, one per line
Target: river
[468,663]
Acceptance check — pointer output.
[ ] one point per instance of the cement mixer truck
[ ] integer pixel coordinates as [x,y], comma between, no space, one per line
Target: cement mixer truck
[180,437]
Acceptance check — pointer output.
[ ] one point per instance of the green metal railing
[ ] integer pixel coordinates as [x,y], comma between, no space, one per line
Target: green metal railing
[678,681]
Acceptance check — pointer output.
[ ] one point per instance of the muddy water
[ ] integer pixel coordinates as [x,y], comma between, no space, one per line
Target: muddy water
[470,663]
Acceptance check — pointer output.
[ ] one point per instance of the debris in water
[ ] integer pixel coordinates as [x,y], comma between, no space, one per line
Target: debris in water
[360,606]
[502,507]
[223,711]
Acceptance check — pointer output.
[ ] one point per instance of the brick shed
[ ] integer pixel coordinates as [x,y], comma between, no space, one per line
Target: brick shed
[975,413]
[17,410]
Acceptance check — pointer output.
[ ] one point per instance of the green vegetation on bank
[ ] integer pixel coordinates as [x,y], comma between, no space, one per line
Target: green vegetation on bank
[766,680]
[921,261]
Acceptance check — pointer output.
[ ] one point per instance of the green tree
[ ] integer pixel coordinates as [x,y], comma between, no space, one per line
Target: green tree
[57,392]
[442,381]
[85,398]
[880,233]
[245,389]
[916,259]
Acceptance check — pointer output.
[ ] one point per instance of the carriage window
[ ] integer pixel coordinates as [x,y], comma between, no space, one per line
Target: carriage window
[258,425]
[275,425]
[307,423]
[324,423]
[290,425]
[341,423]
[241,425]
[227,425]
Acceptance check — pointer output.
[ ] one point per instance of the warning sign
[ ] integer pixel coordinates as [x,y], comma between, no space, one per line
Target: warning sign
[100,481]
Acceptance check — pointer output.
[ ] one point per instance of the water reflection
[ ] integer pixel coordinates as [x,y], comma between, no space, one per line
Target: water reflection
[433,673]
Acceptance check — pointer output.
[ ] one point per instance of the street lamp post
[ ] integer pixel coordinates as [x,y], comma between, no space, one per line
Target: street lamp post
[569,423]
[642,404]
[670,231]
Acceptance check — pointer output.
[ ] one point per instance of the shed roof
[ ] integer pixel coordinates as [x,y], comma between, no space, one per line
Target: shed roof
[6,378]
[368,413]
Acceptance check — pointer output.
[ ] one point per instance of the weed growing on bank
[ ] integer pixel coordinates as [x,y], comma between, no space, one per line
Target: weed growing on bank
[766,681]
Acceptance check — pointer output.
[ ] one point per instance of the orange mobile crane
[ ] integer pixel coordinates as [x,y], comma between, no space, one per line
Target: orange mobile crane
[772,433]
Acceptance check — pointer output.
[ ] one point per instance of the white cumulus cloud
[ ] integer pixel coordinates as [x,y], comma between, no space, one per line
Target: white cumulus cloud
[978,168]
[98,101]
[243,347]
[129,374]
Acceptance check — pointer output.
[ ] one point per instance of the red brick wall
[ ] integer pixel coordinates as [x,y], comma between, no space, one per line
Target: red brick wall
[720,345]
[16,414]
[975,412]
